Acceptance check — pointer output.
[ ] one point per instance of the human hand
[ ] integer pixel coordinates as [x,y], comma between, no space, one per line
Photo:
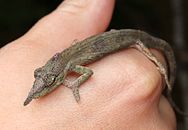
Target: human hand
[124,92]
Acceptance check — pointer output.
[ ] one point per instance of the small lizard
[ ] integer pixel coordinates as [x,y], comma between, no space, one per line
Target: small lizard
[72,59]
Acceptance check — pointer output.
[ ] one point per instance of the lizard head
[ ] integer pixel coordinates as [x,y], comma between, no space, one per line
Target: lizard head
[45,78]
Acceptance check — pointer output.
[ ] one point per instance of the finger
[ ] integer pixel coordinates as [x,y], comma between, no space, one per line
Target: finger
[166,113]
[127,88]
[73,19]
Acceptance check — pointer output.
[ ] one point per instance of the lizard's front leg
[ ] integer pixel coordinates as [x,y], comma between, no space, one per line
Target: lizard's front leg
[85,74]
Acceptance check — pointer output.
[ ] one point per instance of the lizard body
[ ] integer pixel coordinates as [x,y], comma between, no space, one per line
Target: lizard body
[54,72]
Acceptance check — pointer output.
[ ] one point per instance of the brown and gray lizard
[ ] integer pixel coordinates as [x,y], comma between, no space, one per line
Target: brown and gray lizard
[72,59]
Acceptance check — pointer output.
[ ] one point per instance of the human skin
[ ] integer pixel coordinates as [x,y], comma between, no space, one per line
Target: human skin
[124,92]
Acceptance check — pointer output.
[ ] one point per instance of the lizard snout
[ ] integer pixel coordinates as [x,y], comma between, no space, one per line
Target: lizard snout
[38,86]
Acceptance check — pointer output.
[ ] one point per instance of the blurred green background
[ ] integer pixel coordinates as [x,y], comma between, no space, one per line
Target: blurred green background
[166,19]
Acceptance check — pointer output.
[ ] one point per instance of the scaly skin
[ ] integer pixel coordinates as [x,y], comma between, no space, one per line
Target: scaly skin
[54,72]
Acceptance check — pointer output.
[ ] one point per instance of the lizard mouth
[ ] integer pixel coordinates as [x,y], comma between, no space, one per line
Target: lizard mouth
[38,86]
[39,89]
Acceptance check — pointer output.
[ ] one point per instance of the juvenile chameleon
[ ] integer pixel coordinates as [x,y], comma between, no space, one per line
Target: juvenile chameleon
[72,59]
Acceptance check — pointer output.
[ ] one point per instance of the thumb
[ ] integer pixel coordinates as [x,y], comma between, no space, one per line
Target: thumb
[73,19]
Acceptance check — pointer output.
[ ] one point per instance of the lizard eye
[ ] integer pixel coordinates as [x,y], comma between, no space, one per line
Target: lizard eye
[49,79]
[37,72]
